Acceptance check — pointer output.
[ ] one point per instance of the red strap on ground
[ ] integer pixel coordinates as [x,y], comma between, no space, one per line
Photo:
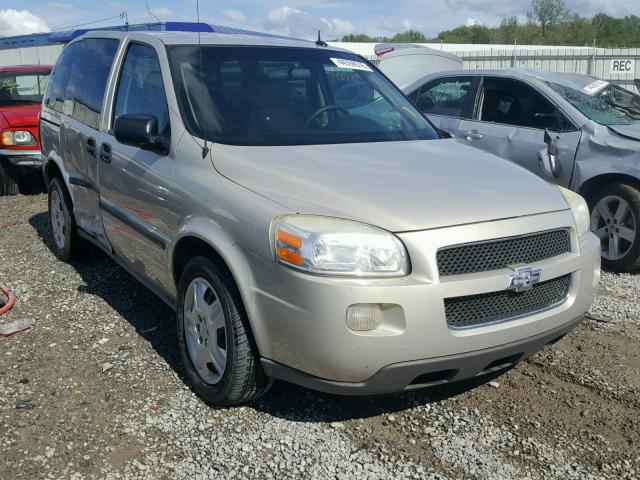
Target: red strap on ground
[11,299]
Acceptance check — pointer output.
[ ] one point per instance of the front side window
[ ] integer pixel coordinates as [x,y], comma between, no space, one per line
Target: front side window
[512,102]
[140,89]
[612,105]
[23,87]
[450,97]
[289,96]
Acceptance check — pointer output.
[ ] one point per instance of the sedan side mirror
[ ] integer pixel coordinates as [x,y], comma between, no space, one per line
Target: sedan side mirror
[139,130]
[549,159]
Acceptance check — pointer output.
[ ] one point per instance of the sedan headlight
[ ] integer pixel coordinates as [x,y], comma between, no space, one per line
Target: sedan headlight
[17,138]
[334,246]
[579,209]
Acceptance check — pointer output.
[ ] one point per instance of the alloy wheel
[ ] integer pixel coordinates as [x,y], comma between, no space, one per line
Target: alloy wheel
[614,223]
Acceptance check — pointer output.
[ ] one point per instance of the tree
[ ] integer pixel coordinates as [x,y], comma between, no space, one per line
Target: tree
[466,34]
[549,13]
[358,37]
[410,36]
[507,32]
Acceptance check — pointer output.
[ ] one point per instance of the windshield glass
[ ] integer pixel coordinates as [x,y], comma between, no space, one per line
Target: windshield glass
[23,87]
[289,96]
[610,105]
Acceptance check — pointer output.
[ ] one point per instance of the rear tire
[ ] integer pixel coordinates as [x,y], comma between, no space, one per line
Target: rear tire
[615,219]
[66,243]
[214,336]
[8,184]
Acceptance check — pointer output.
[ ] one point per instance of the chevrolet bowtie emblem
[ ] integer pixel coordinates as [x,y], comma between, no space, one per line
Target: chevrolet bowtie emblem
[523,279]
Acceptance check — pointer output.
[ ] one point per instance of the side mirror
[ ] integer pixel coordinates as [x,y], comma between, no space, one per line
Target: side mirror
[552,146]
[139,130]
[549,159]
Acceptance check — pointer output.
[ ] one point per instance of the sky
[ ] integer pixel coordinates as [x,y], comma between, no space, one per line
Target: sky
[298,18]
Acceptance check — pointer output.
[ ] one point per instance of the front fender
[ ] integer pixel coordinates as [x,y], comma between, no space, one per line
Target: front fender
[234,256]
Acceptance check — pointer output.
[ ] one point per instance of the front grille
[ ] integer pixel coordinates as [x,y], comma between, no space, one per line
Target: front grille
[476,310]
[497,254]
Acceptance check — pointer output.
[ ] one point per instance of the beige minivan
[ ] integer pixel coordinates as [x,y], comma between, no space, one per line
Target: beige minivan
[305,222]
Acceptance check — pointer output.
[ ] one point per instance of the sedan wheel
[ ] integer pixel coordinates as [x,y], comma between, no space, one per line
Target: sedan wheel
[613,221]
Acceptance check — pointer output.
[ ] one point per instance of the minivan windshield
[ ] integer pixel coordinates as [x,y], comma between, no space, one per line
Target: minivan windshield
[26,86]
[289,96]
[609,105]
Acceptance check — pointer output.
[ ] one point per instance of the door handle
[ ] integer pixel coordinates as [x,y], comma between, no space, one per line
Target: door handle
[91,146]
[471,135]
[105,153]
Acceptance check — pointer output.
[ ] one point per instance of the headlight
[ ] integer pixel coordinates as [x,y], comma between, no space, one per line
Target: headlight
[333,246]
[579,209]
[17,138]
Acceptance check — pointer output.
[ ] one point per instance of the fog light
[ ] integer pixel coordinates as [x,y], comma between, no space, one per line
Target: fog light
[363,317]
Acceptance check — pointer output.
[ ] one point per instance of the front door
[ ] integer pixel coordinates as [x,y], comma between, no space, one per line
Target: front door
[135,183]
[511,121]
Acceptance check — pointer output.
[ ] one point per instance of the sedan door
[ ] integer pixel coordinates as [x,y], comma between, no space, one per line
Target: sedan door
[511,119]
[135,183]
[447,101]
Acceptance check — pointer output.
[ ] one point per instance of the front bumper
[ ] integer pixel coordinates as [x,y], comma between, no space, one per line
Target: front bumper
[22,158]
[298,320]
[429,372]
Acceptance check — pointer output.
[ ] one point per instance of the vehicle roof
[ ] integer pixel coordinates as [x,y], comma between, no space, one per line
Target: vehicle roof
[206,38]
[24,68]
[573,80]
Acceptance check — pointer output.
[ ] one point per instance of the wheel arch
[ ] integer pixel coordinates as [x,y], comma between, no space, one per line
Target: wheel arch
[203,238]
[50,170]
[594,184]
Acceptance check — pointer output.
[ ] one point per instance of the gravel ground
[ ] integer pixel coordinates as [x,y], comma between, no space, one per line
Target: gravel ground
[102,395]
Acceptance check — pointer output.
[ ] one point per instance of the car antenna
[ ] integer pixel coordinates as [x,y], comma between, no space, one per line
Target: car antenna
[205,148]
[320,42]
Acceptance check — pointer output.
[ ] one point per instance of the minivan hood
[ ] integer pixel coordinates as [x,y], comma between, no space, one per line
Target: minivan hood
[630,131]
[398,186]
[21,115]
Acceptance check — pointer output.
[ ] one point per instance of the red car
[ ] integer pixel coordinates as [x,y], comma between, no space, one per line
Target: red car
[21,91]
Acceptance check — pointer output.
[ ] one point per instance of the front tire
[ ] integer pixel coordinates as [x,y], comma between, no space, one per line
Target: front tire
[615,219]
[214,337]
[8,184]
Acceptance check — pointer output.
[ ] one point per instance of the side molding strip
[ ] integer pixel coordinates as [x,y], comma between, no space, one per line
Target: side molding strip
[134,222]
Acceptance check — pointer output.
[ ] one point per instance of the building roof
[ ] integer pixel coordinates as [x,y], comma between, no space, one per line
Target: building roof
[65,36]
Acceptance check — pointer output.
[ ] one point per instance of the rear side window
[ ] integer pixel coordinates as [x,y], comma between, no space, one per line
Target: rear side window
[140,89]
[80,79]
[57,88]
[450,97]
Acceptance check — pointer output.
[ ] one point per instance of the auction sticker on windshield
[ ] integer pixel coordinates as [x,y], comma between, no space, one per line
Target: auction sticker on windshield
[595,87]
[352,64]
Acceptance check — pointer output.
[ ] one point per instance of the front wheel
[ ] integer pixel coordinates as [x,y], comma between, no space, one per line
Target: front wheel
[214,337]
[615,217]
